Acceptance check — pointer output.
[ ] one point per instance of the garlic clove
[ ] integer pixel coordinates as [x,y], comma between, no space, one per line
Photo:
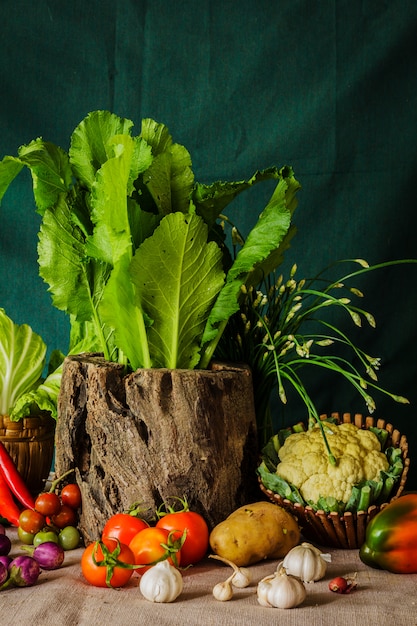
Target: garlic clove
[307,562]
[241,578]
[223,591]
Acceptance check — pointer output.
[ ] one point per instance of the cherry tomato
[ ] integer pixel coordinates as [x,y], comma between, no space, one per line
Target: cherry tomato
[111,572]
[24,537]
[31,521]
[153,544]
[197,534]
[69,538]
[71,495]
[66,517]
[48,504]
[45,535]
[123,527]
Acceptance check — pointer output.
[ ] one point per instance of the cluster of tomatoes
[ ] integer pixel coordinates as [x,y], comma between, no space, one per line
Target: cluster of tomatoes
[53,518]
[130,544]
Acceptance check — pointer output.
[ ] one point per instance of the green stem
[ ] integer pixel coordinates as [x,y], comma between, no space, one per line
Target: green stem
[56,482]
[299,387]
[210,348]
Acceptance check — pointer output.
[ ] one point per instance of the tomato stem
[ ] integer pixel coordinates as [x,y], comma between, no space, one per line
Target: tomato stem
[110,560]
[170,509]
[56,482]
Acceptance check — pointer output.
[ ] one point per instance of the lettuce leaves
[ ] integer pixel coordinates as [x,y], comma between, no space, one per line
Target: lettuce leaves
[130,244]
[22,360]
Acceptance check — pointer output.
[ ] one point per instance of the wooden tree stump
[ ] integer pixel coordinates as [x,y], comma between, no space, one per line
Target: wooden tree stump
[154,434]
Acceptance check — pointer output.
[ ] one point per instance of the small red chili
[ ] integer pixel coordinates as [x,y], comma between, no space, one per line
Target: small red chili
[342,585]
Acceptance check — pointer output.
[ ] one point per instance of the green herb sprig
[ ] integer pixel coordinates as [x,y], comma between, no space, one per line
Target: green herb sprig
[283,326]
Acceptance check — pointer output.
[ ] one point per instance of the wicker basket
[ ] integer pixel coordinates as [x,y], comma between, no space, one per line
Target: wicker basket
[346,531]
[30,443]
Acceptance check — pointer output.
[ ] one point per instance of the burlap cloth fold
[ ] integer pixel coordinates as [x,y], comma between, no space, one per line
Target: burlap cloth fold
[63,598]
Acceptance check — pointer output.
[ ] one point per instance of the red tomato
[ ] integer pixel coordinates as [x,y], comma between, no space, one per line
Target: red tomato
[71,495]
[48,504]
[66,517]
[153,544]
[123,527]
[31,521]
[197,534]
[110,573]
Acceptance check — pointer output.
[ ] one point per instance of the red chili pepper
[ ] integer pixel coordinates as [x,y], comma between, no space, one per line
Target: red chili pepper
[8,507]
[14,480]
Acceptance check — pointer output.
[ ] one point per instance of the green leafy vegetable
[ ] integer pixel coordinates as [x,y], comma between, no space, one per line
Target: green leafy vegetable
[22,360]
[177,275]
[132,248]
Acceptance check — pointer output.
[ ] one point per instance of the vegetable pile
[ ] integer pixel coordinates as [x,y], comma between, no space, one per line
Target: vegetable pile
[24,570]
[128,544]
[53,518]
[50,517]
[47,527]
[296,465]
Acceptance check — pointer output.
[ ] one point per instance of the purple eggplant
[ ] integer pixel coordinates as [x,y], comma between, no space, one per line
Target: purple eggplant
[5,545]
[24,571]
[49,555]
[6,559]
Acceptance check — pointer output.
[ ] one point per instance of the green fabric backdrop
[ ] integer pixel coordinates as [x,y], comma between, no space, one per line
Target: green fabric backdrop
[328,87]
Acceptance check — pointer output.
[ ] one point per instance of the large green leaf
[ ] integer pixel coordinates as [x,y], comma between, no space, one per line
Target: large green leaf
[177,276]
[75,282]
[111,239]
[170,178]
[44,396]
[156,135]
[9,169]
[259,248]
[90,146]
[119,312]
[50,169]
[22,359]
[111,208]
[211,200]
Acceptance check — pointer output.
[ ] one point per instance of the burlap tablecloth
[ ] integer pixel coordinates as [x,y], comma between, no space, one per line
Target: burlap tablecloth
[64,598]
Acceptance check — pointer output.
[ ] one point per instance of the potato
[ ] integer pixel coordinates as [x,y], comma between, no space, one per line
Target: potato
[255,532]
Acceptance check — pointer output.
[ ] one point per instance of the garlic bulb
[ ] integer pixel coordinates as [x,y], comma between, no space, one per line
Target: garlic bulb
[281,590]
[307,562]
[161,583]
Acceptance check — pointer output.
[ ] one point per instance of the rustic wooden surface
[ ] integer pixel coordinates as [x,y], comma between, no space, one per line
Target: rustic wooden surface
[154,434]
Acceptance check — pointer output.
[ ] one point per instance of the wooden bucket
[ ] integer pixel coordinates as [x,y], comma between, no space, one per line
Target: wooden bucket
[30,443]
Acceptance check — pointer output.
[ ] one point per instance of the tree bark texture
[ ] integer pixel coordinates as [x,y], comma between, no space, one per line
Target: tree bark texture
[154,434]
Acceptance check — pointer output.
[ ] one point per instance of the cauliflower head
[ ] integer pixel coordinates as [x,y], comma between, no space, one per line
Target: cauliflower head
[304,461]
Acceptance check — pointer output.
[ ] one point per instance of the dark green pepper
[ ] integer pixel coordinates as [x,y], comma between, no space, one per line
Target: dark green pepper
[391,537]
